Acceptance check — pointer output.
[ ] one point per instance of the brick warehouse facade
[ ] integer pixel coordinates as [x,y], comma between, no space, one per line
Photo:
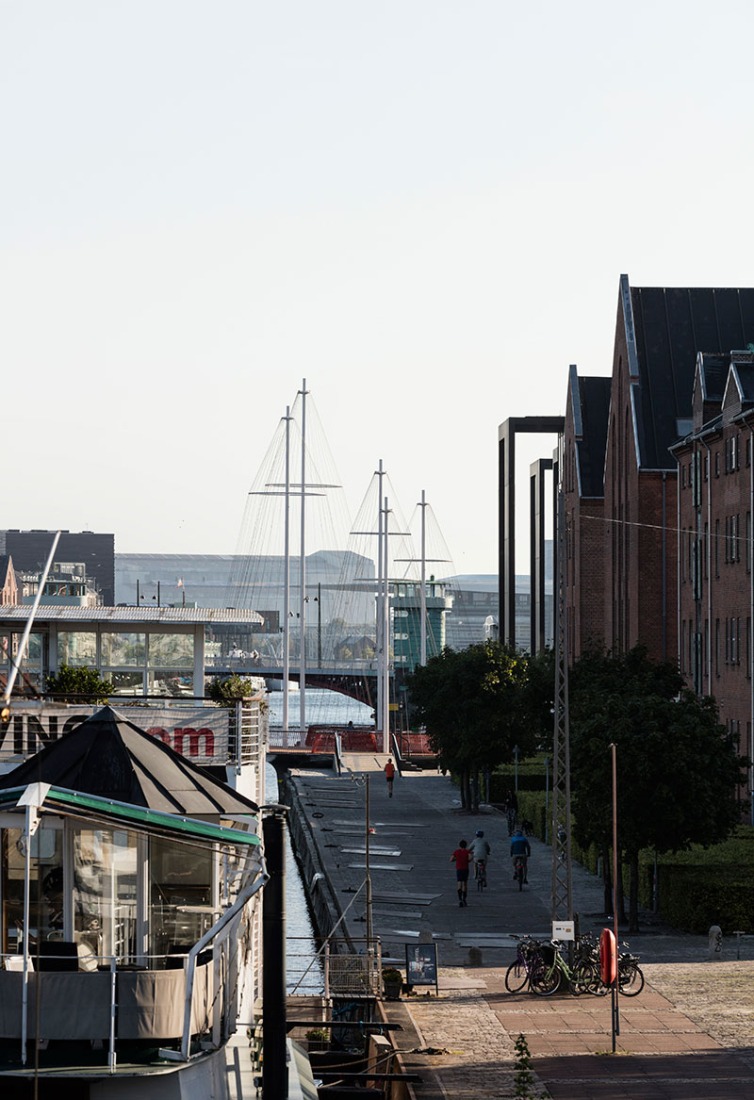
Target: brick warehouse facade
[716,581]
[626,448]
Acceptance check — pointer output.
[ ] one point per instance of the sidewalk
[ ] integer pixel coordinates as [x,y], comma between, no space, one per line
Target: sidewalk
[688,1035]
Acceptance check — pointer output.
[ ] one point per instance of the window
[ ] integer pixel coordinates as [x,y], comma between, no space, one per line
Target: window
[77,648]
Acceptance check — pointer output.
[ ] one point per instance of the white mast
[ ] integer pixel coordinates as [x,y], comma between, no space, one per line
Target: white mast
[423,589]
[379,620]
[287,577]
[385,684]
[302,603]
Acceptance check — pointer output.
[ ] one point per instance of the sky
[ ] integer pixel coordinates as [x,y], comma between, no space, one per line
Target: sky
[422,207]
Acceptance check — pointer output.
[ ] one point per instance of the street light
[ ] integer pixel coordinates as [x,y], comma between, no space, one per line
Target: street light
[516,751]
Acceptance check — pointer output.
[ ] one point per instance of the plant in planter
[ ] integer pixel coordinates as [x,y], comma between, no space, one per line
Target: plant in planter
[318,1038]
[392,981]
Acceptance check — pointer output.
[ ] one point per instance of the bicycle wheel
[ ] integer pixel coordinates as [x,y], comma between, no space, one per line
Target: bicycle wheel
[545,980]
[583,977]
[516,977]
[630,979]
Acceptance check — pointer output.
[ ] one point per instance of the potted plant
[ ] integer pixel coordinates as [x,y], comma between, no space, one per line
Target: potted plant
[392,981]
[318,1038]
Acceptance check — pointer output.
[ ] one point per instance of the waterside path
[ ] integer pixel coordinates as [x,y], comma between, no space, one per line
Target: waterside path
[689,1035]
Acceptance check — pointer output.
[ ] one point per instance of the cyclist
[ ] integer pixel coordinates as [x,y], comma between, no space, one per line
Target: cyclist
[520,847]
[480,850]
[462,858]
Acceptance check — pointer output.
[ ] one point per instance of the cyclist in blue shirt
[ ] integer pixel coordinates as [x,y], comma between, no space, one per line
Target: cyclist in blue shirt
[520,847]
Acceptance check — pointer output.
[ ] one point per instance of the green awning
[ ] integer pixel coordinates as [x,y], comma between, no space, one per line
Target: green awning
[70,803]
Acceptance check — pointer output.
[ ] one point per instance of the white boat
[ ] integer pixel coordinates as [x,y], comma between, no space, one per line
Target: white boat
[130,888]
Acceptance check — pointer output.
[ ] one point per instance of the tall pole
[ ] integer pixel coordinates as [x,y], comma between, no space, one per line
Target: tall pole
[275,1068]
[423,589]
[385,687]
[368,880]
[16,665]
[302,603]
[562,886]
[287,577]
[379,619]
[616,1016]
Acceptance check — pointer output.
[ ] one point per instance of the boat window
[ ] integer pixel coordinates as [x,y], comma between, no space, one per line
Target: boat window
[46,909]
[104,893]
[180,895]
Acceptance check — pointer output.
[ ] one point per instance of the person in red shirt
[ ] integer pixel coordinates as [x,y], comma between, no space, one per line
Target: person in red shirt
[462,858]
[390,776]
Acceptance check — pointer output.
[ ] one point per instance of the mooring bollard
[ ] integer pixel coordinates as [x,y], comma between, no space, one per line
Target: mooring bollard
[716,943]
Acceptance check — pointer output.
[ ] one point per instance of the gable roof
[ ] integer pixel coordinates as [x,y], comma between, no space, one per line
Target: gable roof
[590,406]
[108,756]
[665,329]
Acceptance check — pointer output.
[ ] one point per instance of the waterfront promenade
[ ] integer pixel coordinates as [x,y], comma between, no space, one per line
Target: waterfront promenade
[690,1034]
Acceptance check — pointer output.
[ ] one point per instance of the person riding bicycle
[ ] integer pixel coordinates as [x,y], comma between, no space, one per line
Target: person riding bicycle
[480,849]
[520,848]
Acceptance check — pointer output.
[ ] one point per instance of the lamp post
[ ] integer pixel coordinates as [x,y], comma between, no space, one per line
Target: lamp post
[516,752]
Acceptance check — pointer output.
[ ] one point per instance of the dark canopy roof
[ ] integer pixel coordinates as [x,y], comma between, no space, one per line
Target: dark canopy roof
[111,757]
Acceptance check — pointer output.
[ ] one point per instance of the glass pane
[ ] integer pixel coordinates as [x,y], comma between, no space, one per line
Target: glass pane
[171,650]
[126,683]
[123,649]
[34,651]
[170,682]
[180,891]
[77,647]
[104,893]
[46,896]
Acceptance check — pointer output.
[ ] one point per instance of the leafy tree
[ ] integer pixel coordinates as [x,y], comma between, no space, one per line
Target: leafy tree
[78,685]
[677,768]
[227,690]
[475,706]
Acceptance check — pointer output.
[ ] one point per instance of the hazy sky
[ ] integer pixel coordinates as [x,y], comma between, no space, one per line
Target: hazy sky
[423,207]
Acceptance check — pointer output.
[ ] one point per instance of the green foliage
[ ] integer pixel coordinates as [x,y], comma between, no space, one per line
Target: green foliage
[229,689]
[475,705]
[78,685]
[673,757]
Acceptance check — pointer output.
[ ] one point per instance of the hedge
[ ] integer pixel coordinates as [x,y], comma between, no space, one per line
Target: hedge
[695,889]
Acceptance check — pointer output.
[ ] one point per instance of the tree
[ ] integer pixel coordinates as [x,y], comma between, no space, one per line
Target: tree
[78,685]
[475,707]
[678,769]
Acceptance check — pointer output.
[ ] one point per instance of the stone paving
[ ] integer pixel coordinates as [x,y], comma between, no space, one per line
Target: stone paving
[689,1034]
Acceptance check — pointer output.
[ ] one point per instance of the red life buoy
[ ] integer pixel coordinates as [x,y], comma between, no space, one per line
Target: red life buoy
[608,957]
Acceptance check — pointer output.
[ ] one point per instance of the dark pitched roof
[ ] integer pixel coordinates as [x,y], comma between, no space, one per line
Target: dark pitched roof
[109,756]
[665,328]
[590,423]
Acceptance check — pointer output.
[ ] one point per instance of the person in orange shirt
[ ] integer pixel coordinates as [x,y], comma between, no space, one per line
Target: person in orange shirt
[390,776]
[462,858]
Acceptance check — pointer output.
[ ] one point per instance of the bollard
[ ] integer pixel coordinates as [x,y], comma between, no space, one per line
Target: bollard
[716,943]
[475,956]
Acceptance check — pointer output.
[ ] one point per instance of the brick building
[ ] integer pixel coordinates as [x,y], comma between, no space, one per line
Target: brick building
[633,562]
[716,586]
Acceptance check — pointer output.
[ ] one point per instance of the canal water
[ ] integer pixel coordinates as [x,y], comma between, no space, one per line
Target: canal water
[322,707]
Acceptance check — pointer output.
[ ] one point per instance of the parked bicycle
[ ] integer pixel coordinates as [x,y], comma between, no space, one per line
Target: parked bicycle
[630,975]
[528,955]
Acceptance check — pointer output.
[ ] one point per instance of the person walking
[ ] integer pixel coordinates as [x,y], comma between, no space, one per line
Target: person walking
[462,858]
[389,776]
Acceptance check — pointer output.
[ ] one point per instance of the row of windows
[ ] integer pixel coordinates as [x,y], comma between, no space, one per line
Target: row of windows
[728,544]
[729,460]
[732,648]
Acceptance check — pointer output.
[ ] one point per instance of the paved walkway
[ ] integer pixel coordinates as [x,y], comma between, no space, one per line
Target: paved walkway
[690,1034]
